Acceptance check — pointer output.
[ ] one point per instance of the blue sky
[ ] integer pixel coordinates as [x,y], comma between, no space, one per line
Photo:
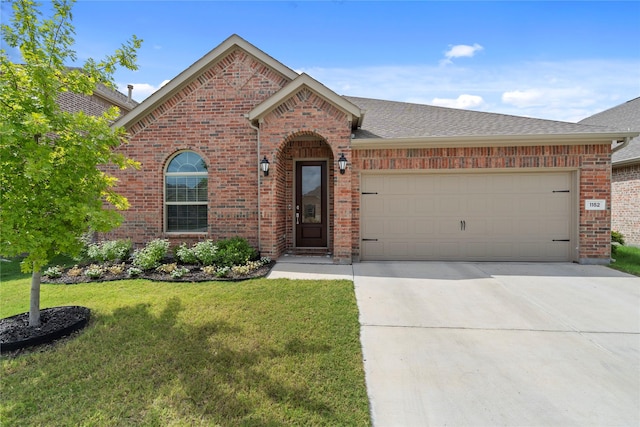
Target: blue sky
[546,59]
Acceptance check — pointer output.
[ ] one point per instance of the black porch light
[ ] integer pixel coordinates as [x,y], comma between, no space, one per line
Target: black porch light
[264,164]
[342,163]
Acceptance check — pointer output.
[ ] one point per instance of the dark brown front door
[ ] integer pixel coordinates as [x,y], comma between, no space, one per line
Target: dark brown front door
[311,204]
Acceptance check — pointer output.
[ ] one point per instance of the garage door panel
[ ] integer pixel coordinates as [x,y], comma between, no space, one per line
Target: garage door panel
[398,205]
[489,216]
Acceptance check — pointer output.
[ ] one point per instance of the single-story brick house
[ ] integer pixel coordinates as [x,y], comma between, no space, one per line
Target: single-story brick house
[358,178]
[625,174]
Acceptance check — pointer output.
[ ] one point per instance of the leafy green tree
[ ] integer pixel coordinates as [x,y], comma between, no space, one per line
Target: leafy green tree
[53,184]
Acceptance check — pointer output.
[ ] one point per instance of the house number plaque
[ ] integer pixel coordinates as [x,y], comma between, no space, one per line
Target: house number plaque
[595,205]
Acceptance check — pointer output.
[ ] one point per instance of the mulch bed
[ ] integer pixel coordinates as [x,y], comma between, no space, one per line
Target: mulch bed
[195,274]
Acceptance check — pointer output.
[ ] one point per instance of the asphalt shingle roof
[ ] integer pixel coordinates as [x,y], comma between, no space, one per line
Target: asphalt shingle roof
[392,119]
[625,117]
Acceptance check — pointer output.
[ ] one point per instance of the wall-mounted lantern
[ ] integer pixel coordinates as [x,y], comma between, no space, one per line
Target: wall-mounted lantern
[342,163]
[264,164]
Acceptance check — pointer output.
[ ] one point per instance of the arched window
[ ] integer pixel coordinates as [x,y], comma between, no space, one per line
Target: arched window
[185,194]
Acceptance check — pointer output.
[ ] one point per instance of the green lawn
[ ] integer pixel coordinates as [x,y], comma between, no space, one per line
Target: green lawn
[256,353]
[627,260]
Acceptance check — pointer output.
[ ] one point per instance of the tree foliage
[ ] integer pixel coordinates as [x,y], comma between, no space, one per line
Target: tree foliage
[53,187]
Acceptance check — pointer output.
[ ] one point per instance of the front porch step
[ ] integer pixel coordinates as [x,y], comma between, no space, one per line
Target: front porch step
[319,252]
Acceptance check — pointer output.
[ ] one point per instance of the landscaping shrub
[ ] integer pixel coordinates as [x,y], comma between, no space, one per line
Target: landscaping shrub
[205,252]
[150,256]
[112,250]
[616,239]
[53,272]
[234,251]
[186,254]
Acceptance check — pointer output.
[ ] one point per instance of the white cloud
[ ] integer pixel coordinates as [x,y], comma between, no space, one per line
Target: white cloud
[526,98]
[567,90]
[141,91]
[463,101]
[462,50]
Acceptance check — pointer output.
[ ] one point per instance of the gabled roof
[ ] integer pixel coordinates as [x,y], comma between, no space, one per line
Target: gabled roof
[623,116]
[115,97]
[301,81]
[404,124]
[188,75]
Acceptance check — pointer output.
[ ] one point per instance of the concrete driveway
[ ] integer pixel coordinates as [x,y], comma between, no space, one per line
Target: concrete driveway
[487,344]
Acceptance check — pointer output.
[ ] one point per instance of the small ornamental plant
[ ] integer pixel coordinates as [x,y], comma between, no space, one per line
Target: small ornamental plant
[134,272]
[186,255]
[74,271]
[179,272]
[167,268]
[53,272]
[209,270]
[94,271]
[150,256]
[116,269]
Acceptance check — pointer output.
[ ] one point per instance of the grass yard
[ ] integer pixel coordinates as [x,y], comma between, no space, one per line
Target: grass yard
[627,260]
[260,352]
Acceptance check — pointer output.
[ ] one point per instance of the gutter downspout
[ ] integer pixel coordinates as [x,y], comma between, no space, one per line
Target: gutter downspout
[257,129]
[626,141]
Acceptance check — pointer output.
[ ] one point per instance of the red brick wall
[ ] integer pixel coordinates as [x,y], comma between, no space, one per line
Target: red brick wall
[592,161]
[205,116]
[625,203]
[91,105]
[303,115]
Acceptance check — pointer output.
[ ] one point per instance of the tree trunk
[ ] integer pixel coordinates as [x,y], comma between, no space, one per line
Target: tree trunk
[34,307]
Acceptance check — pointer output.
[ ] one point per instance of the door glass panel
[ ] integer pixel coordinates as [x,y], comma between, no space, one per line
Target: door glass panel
[311,194]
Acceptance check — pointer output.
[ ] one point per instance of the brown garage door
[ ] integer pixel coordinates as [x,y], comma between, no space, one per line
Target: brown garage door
[467,217]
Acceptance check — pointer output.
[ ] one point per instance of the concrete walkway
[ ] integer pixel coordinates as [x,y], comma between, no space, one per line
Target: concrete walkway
[488,344]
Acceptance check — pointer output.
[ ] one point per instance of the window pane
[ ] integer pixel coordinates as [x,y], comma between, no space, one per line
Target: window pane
[311,194]
[187,162]
[186,189]
[171,188]
[187,218]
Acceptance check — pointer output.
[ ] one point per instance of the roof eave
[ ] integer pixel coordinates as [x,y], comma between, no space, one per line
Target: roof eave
[185,77]
[626,162]
[304,80]
[488,140]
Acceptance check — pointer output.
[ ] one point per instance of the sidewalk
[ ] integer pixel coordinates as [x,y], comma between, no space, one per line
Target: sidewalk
[310,268]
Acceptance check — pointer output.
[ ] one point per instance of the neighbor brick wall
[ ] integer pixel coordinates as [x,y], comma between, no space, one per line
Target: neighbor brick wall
[625,203]
[592,162]
[205,116]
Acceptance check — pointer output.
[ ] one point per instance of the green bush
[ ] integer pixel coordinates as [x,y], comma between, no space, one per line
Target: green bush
[150,256]
[112,250]
[234,251]
[186,255]
[616,239]
[205,252]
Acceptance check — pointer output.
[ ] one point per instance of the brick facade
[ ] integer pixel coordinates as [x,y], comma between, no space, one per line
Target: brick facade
[625,203]
[208,114]
[592,162]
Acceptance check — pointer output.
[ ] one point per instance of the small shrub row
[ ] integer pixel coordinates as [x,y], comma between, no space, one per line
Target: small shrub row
[224,253]
[109,251]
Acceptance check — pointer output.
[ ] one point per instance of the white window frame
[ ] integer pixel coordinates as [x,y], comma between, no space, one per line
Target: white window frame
[166,204]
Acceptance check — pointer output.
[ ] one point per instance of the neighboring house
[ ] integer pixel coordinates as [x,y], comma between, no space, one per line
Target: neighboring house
[420,182]
[625,175]
[100,101]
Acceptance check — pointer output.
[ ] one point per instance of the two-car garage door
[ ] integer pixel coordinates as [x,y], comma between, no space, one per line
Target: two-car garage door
[467,216]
